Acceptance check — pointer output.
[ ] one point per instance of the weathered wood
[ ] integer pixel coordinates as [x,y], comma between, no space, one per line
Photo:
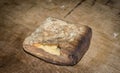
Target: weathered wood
[19,18]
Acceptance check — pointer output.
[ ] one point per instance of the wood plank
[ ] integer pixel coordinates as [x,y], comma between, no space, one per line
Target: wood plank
[19,18]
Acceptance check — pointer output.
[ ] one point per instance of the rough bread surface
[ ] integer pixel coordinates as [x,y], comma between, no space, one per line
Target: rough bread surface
[59,42]
[53,29]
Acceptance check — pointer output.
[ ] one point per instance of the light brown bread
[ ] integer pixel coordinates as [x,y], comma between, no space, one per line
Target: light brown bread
[59,42]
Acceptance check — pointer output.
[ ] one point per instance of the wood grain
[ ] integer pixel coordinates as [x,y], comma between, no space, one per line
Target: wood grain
[18,18]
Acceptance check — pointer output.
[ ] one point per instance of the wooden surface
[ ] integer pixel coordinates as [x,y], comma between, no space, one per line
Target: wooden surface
[19,18]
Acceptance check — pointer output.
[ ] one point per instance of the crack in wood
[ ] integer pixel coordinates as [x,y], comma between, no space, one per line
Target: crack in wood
[93,2]
[74,8]
[109,1]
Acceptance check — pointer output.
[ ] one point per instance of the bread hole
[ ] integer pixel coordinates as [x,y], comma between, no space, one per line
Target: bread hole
[52,49]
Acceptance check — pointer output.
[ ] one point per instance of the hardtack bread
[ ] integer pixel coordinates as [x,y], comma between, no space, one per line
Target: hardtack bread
[59,42]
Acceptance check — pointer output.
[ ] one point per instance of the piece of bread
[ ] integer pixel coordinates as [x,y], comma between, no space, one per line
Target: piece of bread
[59,42]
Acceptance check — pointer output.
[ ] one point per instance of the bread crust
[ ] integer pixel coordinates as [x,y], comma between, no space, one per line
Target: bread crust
[72,41]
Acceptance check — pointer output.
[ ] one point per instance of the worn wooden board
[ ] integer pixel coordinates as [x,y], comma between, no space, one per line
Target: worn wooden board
[19,18]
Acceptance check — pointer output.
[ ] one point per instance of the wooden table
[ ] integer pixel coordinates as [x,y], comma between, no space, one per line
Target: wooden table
[19,18]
